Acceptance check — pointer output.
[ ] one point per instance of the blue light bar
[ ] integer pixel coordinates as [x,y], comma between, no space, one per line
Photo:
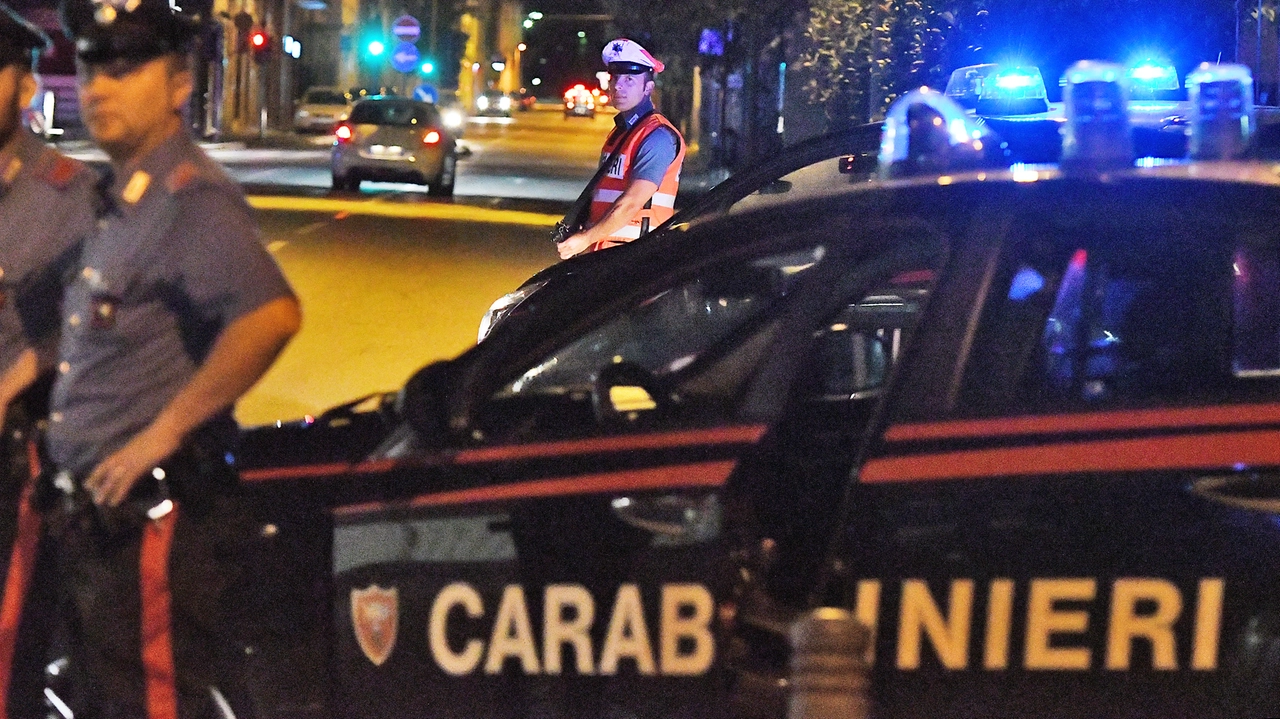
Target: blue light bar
[995,90]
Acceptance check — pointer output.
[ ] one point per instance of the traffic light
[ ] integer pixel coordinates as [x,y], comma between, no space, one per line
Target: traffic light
[428,67]
[375,48]
[260,45]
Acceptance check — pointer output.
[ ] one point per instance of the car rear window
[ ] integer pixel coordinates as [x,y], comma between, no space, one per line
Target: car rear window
[396,114]
[1100,313]
[325,97]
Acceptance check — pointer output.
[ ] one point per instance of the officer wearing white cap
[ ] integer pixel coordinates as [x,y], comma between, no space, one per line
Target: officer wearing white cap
[645,152]
[174,310]
[45,209]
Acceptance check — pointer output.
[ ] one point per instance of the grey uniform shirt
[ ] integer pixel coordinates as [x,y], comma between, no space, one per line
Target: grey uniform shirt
[176,260]
[46,207]
[656,152]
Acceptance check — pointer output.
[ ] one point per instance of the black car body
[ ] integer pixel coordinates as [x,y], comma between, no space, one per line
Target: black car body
[1022,423]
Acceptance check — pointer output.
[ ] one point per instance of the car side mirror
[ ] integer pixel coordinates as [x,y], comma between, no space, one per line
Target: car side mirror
[423,402]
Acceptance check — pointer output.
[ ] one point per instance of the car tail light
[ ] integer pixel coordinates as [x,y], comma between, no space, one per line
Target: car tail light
[344,132]
[432,137]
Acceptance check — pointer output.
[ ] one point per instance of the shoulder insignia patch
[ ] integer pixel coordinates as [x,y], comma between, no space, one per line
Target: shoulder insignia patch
[62,172]
[136,187]
[11,172]
[181,176]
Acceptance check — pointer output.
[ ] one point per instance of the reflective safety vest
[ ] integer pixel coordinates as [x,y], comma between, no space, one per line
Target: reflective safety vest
[618,178]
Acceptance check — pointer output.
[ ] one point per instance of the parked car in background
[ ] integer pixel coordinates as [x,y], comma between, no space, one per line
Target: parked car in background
[394,139]
[320,109]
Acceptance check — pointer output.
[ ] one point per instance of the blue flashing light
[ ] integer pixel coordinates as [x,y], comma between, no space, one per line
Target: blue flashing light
[994,89]
[1014,80]
[1152,76]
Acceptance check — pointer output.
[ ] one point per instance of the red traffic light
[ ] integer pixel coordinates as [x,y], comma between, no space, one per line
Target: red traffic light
[258,39]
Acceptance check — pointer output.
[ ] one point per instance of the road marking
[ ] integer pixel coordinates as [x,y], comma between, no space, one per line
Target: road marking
[434,211]
[276,245]
[308,229]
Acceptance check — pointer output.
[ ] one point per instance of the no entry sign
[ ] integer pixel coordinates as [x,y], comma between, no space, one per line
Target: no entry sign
[406,28]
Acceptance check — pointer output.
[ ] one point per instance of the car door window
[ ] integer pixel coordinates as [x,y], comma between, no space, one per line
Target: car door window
[671,337]
[855,349]
[1095,318]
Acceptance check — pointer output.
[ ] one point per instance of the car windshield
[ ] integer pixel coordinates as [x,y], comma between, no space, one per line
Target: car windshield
[325,97]
[671,329]
[396,114]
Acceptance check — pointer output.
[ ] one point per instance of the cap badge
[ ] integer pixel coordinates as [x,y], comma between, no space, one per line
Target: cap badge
[617,48]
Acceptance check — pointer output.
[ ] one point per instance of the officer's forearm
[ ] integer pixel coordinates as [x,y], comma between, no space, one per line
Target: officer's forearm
[18,376]
[624,208]
[240,356]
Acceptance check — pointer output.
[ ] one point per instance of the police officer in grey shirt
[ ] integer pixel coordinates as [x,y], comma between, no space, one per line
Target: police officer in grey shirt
[175,309]
[46,207]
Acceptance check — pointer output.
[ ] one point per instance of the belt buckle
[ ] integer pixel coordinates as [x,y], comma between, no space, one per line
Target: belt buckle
[160,509]
[65,482]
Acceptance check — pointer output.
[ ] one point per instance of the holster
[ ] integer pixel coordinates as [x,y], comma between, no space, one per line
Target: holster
[195,476]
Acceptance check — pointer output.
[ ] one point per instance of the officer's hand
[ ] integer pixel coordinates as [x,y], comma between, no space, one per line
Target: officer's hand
[574,245]
[111,480]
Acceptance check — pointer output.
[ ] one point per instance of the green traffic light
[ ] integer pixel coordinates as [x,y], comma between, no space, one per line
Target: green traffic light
[376,48]
[428,68]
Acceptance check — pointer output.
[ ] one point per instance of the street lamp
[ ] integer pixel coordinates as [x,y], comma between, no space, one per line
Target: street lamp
[520,48]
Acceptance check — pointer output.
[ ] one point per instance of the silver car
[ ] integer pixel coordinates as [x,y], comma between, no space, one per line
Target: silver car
[394,139]
[321,108]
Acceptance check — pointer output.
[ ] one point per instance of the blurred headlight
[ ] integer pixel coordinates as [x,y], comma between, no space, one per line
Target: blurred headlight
[482,102]
[502,307]
[504,103]
[452,119]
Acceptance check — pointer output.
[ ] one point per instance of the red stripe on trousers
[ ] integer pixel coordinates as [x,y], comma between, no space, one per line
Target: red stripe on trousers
[22,559]
[157,625]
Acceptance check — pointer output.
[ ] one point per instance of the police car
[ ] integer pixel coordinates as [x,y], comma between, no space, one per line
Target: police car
[1020,421]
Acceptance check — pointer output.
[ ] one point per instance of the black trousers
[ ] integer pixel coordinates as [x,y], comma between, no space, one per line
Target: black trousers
[28,581]
[153,622]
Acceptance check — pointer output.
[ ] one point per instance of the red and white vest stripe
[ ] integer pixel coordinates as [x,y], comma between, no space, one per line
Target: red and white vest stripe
[618,178]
